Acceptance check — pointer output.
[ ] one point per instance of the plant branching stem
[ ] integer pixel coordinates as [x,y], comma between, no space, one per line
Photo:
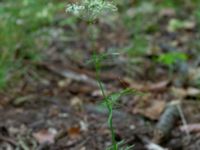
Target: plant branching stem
[109,107]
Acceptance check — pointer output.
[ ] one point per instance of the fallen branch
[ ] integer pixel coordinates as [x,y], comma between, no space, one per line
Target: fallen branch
[151,145]
[74,76]
[166,122]
[103,111]
[8,140]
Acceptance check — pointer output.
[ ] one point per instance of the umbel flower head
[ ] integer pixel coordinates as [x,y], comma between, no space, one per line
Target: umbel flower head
[91,9]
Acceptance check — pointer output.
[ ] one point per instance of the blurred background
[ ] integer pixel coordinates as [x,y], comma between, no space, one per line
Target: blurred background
[48,89]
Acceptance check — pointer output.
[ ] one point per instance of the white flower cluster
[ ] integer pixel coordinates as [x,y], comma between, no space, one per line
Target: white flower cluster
[75,9]
[91,9]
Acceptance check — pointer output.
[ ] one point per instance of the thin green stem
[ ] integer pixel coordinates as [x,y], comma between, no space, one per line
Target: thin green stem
[110,122]
[108,105]
[100,84]
[171,72]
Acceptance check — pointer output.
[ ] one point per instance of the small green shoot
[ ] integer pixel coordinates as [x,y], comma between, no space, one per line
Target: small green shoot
[170,59]
[120,144]
[111,100]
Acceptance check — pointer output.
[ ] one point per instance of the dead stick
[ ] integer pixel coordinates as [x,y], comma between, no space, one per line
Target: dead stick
[2,138]
[166,122]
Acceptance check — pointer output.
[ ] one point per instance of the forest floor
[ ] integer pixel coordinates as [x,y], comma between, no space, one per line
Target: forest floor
[55,105]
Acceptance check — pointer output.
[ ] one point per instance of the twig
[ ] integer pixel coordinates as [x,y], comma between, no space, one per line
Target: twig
[21,100]
[2,138]
[153,146]
[150,145]
[72,75]
[184,122]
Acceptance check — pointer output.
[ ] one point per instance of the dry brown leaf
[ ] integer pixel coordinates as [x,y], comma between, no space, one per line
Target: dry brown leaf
[189,25]
[191,128]
[45,136]
[83,126]
[80,88]
[4,100]
[178,92]
[153,110]
[182,93]
[194,74]
[74,132]
[158,87]
[167,12]
[54,111]
[134,84]
[64,83]
[193,91]
[191,111]
[76,102]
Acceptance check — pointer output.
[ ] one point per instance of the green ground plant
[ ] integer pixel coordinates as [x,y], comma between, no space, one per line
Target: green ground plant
[170,59]
[21,34]
[110,101]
